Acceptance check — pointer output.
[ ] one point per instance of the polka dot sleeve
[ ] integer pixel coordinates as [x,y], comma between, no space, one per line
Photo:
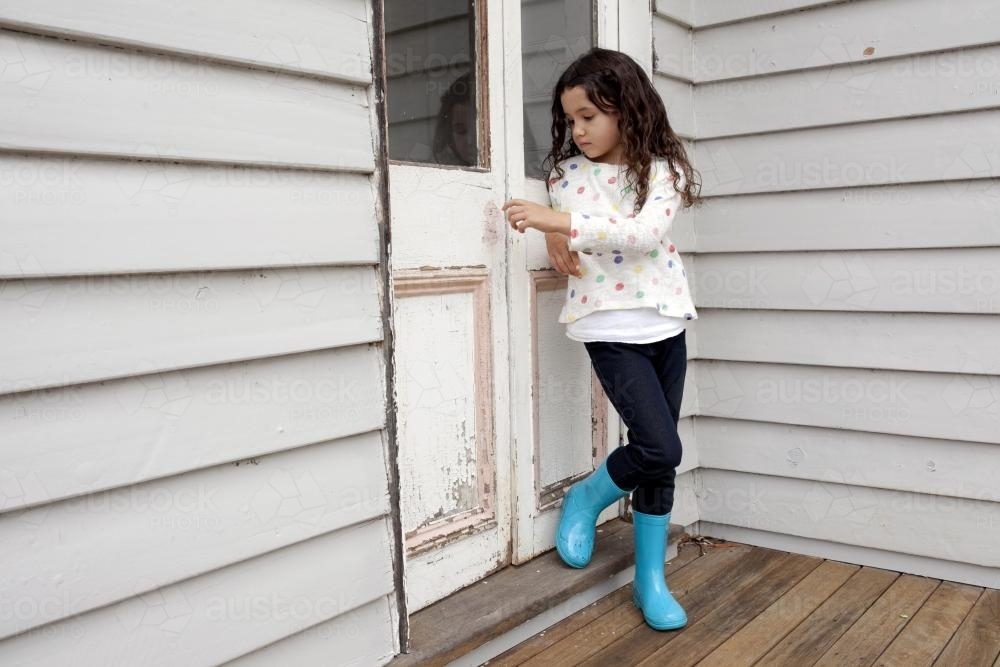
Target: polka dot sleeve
[640,233]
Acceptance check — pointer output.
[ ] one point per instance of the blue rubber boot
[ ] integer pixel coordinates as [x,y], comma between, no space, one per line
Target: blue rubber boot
[578,520]
[649,590]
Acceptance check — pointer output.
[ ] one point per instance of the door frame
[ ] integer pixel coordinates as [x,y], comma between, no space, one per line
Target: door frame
[383,216]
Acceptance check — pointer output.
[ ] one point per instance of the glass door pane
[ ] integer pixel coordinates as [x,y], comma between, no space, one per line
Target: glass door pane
[553,34]
[431,72]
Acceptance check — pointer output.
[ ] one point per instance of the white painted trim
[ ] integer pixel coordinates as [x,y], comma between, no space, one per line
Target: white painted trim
[635,32]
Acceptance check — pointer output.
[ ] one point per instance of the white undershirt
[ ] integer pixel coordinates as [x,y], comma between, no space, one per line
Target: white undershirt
[632,325]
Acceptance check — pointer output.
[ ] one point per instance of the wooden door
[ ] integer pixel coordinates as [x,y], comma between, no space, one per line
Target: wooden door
[562,424]
[446,177]
[497,411]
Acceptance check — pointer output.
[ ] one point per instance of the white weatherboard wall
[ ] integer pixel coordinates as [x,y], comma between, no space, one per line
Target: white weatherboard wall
[193,466]
[846,274]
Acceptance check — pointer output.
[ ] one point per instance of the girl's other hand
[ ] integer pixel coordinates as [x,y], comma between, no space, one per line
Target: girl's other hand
[564,260]
[522,214]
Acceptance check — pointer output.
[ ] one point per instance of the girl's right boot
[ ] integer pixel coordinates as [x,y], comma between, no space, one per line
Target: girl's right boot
[649,590]
[578,519]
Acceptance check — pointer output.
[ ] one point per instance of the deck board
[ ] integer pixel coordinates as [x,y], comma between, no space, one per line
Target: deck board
[698,602]
[532,647]
[977,641]
[875,630]
[756,638]
[753,606]
[590,639]
[701,638]
[814,636]
[920,642]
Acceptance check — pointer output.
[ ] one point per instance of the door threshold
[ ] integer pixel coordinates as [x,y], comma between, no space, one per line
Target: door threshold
[537,591]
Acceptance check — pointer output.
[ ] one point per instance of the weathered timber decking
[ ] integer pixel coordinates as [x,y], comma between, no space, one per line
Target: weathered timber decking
[752,606]
[465,620]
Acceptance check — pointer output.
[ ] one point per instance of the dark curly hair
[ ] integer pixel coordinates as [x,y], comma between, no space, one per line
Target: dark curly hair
[617,84]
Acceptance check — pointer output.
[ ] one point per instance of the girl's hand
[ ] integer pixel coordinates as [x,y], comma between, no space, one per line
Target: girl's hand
[564,260]
[522,214]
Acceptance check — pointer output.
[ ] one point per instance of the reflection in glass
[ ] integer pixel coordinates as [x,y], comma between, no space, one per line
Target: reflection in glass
[431,79]
[455,131]
[554,33]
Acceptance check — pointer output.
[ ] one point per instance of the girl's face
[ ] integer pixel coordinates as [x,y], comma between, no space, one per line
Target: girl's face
[595,132]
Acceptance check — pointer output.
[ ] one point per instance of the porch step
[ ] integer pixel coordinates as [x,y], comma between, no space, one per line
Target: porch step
[467,619]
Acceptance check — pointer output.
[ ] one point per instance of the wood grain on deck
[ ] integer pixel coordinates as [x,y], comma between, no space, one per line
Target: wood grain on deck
[753,606]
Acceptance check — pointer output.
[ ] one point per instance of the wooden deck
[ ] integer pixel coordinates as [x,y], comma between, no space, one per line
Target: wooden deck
[753,606]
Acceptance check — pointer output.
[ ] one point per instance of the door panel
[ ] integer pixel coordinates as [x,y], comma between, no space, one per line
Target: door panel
[448,263]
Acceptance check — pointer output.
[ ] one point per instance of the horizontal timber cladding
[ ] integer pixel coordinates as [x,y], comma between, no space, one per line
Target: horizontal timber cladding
[210,518]
[171,109]
[846,511]
[193,461]
[844,268]
[170,321]
[168,216]
[225,613]
[325,40]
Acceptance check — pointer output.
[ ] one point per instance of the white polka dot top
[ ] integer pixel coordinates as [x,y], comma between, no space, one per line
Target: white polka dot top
[627,261]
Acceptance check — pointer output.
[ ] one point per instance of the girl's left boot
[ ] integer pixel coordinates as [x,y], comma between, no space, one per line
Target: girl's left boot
[649,590]
[578,518]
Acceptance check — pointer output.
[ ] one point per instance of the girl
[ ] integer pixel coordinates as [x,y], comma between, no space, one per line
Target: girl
[619,176]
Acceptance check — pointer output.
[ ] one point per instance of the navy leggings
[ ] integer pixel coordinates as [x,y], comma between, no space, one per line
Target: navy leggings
[645,383]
